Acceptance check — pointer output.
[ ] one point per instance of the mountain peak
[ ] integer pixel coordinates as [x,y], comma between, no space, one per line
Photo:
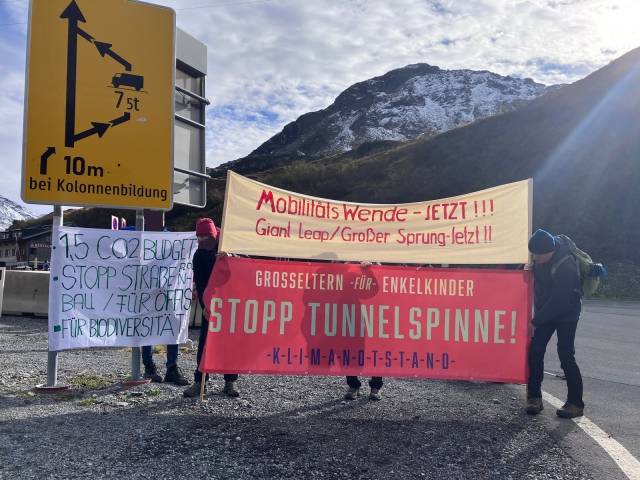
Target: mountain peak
[405,103]
[10,211]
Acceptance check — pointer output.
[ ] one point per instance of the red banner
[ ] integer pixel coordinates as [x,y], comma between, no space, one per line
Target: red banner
[311,318]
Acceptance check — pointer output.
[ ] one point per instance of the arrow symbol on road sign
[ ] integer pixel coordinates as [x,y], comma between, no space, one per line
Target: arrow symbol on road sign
[73,14]
[44,158]
[85,35]
[124,118]
[105,49]
[98,128]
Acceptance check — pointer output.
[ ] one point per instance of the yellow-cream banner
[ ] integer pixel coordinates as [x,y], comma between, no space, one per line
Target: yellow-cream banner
[487,227]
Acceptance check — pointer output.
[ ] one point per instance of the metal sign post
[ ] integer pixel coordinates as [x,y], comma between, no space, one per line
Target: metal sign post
[135,351]
[52,385]
[136,375]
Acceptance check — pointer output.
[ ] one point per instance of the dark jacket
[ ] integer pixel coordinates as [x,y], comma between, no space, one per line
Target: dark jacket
[557,295]
[203,261]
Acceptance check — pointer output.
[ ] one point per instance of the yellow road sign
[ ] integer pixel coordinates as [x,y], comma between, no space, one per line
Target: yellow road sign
[99,104]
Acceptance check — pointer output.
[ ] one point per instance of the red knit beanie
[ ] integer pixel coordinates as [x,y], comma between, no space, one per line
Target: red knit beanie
[206,228]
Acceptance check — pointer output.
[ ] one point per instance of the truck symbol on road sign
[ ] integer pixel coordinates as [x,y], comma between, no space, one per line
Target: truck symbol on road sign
[128,80]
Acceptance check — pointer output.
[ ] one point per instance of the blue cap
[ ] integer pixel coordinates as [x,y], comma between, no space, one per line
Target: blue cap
[541,242]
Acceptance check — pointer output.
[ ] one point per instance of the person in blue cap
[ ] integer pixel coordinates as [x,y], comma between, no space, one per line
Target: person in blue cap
[557,301]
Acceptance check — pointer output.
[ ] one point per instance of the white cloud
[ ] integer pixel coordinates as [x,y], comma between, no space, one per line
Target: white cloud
[273,60]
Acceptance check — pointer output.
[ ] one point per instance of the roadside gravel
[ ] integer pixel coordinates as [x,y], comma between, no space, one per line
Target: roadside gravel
[280,427]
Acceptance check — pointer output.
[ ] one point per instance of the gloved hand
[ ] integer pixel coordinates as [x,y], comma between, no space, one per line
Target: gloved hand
[598,270]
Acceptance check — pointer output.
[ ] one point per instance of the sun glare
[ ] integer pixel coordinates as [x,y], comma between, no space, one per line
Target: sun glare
[618,25]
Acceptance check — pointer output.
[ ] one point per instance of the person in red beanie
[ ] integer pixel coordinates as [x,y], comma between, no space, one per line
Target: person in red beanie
[206,228]
[203,261]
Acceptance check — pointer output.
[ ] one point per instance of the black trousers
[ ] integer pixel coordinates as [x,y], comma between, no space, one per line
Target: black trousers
[566,332]
[375,382]
[197,375]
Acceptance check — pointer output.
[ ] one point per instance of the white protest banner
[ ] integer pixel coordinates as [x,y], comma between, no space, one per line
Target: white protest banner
[115,288]
[487,227]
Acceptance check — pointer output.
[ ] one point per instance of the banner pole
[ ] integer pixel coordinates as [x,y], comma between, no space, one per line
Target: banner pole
[203,379]
[135,351]
[52,356]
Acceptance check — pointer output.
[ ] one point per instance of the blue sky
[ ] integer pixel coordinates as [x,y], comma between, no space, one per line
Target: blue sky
[272,60]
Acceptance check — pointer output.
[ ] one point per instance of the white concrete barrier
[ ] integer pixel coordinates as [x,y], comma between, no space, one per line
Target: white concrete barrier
[26,293]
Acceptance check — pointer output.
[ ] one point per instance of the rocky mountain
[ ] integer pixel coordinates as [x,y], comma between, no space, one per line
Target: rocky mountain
[406,103]
[10,211]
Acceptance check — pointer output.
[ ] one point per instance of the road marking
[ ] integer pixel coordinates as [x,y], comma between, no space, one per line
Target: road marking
[629,465]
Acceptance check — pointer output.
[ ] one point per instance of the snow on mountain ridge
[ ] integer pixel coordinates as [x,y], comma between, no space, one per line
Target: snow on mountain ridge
[401,105]
[441,100]
[10,211]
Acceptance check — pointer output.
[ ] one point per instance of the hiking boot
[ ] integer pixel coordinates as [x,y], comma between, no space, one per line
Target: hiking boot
[174,375]
[375,394]
[230,389]
[194,390]
[151,373]
[569,410]
[352,393]
[534,406]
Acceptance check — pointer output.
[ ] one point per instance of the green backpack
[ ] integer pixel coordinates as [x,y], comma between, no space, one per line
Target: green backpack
[590,272]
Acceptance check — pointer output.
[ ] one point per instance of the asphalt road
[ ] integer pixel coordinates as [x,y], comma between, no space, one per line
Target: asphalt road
[607,351]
